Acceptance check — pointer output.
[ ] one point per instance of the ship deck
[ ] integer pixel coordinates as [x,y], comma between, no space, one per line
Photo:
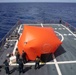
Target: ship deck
[63,61]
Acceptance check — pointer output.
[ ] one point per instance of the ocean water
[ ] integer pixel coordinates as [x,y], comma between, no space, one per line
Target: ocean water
[10,13]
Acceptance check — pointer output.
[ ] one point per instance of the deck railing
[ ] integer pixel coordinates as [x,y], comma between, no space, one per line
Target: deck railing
[2,42]
[72,28]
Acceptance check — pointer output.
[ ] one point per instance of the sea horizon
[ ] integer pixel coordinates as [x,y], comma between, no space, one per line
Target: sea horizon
[35,12]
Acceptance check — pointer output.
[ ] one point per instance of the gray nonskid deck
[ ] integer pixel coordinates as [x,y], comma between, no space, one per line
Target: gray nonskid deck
[64,59]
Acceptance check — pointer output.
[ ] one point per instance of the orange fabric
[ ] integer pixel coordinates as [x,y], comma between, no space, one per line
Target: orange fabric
[38,40]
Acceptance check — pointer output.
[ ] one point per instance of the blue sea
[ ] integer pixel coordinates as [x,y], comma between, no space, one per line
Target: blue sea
[10,13]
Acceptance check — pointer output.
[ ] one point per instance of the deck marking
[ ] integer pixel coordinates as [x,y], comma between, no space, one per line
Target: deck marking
[48,63]
[20,36]
[20,33]
[56,64]
[41,25]
[69,34]
[65,34]
[55,28]
[69,30]
[19,28]
[15,47]
[60,35]
[66,62]
[15,64]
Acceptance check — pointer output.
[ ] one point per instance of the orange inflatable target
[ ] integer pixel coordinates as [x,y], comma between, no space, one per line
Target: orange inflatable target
[38,40]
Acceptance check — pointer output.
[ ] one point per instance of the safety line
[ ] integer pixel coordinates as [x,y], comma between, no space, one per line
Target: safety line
[69,30]
[41,63]
[48,63]
[56,64]
[19,28]
[60,35]
[66,62]
[16,41]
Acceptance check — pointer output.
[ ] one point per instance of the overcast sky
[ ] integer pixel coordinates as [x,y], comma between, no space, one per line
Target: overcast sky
[37,0]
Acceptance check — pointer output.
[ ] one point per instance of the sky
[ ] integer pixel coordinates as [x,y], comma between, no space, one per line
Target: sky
[37,0]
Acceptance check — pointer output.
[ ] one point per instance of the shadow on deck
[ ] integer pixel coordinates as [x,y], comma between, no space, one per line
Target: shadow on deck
[48,57]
